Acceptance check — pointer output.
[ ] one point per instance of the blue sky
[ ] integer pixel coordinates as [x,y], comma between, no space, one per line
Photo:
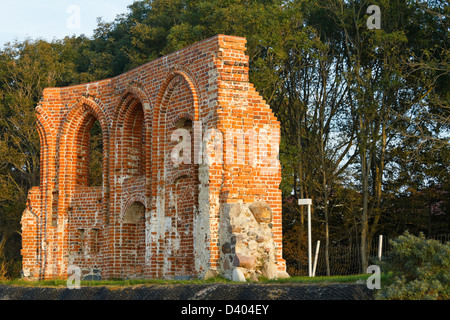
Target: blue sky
[54,19]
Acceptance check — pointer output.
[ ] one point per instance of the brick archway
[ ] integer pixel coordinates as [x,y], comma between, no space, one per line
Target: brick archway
[72,160]
[177,99]
[132,95]
[131,175]
[77,121]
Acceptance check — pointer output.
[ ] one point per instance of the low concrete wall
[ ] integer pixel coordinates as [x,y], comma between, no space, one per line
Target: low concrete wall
[249,292]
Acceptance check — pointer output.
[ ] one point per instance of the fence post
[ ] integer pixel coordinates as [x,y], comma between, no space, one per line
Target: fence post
[308,202]
[316,258]
[380,247]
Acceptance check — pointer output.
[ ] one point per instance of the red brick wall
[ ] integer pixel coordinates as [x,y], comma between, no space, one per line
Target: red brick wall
[176,234]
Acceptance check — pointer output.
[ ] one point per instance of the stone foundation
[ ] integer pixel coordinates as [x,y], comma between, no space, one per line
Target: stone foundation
[247,239]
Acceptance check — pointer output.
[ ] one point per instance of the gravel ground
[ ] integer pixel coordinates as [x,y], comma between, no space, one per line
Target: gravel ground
[203,292]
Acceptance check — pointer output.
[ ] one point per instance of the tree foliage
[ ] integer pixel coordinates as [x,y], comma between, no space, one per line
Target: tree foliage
[420,269]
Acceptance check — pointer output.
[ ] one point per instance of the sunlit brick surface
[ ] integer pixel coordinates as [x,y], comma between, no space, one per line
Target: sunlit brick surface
[150,218]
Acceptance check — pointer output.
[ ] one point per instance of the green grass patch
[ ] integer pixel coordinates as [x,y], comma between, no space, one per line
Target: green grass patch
[113,282]
[331,279]
[351,279]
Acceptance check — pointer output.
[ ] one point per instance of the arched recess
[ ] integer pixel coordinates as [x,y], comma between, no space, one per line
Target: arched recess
[43,156]
[43,178]
[73,158]
[72,187]
[46,179]
[46,136]
[131,167]
[164,123]
[132,135]
[132,244]
[131,163]
[177,107]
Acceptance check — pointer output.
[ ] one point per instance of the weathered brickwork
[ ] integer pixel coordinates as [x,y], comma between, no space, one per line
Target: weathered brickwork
[154,217]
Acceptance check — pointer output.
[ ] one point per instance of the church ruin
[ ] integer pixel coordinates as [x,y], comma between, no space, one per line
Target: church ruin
[190,173]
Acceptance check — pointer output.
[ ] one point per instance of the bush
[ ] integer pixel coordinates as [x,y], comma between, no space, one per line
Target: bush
[10,269]
[419,268]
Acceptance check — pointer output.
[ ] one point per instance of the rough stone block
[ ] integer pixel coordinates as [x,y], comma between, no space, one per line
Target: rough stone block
[262,212]
[238,275]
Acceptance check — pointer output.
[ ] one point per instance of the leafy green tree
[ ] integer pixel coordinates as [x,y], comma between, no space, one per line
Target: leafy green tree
[26,68]
[380,95]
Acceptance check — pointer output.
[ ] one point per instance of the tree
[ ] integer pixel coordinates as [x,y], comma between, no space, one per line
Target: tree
[379,66]
[26,68]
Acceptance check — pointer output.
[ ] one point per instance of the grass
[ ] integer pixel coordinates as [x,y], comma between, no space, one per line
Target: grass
[331,279]
[352,279]
[115,283]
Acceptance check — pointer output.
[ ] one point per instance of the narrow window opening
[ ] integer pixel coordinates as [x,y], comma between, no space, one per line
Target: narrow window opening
[80,243]
[94,241]
[96,156]
[134,142]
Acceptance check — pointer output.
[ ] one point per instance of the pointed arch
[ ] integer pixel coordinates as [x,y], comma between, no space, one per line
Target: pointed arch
[81,116]
[161,107]
[133,100]
[165,91]
[132,135]
[44,153]
[177,99]
[46,136]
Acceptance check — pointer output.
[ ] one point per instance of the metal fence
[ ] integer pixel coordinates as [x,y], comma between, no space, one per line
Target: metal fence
[346,259]
[444,238]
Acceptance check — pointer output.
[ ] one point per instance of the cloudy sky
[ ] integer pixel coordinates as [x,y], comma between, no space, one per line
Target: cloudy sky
[54,19]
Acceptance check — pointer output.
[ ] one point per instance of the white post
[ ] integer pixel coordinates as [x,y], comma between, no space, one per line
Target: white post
[380,247]
[309,241]
[316,258]
[308,202]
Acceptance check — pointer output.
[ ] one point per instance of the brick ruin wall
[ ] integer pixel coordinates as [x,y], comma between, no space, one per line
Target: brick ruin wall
[154,217]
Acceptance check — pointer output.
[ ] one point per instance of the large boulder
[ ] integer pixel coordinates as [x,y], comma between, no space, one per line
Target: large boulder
[262,212]
[269,270]
[238,275]
[243,261]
